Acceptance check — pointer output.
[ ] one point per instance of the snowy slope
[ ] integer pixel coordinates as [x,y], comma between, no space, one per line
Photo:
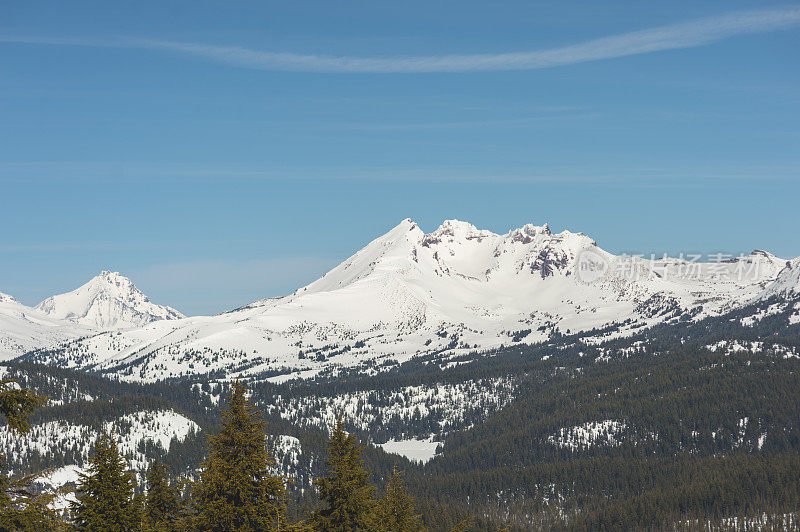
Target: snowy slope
[454,290]
[62,441]
[61,482]
[787,282]
[57,438]
[108,301]
[23,328]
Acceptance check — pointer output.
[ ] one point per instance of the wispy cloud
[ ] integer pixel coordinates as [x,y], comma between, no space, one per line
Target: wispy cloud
[688,34]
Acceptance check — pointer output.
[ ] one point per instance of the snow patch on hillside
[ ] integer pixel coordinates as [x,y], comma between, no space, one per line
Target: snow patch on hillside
[411,410]
[760,347]
[74,442]
[286,450]
[61,482]
[606,432]
[416,450]
[159,428]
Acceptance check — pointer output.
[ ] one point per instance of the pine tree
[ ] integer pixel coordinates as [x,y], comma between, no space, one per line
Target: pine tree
[137,510]
[348,497]
[162,505]
[105,494]
[26,512]
[17,404]
[395,511]
[237,490]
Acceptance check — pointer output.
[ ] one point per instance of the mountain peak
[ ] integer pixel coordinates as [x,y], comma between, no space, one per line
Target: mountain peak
[454,224]
[108,280]
[405,226]
[527,232]
[454,230]
[5,298]
[108,300]
[765,254]
[450,292]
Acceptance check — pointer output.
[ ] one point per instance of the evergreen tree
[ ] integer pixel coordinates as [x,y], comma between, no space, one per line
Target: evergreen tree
[162,505]
[395,511]
[17,404]
[137,510]
[237,490]
[26,512]
[105,495]
[348,497]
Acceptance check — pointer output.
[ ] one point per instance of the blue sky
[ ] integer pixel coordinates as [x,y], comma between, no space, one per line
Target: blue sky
[217,154]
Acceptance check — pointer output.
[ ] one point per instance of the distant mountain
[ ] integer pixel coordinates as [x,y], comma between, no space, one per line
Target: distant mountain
[24,328]
[450,292]
[107,301]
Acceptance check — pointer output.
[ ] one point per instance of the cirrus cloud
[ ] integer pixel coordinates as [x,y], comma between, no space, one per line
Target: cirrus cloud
[698,32]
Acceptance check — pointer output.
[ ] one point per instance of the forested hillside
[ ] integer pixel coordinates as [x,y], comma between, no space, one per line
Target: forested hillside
[684,423]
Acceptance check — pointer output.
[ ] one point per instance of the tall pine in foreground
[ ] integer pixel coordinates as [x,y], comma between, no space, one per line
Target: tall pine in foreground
[162,510]
[346,494]
[237,490]
[105,494]
[396,511]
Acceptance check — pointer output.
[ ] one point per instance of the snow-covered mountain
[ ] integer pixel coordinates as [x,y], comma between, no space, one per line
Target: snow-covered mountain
[24,328]
[452,291]
[107,301]
[787,282]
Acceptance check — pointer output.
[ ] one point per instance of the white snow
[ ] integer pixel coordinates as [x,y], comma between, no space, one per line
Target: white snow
[448,405]
[23,329]
[159,427]
[286,452]
[449,292]
[54,437]
[415,450]
[737,346]
[787,521]
[606,432]
[108,301]
[63,475]
[61,482]
[753,320]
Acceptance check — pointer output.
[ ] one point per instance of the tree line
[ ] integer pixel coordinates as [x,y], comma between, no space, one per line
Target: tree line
[684,455]
[236,487]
